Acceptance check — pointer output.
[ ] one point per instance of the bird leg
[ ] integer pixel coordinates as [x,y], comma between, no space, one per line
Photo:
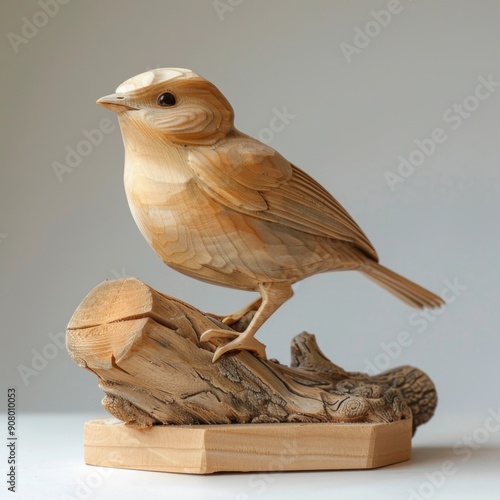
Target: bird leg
[273,296]
[231,319]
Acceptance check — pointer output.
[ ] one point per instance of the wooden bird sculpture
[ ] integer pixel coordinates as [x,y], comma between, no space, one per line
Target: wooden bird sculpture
[224,208]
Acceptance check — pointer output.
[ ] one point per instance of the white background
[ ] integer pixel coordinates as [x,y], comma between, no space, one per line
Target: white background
[354,117]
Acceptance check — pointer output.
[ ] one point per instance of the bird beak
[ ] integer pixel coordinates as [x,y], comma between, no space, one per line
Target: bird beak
[116,103]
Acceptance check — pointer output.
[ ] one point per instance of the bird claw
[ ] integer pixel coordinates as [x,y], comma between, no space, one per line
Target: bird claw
[236,317]
[230,319]
[215,333]
[218,317]
[239,343]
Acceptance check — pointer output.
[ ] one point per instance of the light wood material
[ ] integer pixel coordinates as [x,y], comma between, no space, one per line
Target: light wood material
[146,351]
[205,449]
[222,207]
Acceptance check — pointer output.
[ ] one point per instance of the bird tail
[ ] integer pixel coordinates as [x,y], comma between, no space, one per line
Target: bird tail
[404,289]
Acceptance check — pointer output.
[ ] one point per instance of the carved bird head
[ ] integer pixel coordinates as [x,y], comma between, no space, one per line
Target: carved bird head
[173,103]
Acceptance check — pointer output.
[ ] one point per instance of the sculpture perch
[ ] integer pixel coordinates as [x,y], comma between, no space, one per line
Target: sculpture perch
[147,352]
[222,207]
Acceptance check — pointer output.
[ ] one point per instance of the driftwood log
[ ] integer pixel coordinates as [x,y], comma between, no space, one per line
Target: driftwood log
[144,348]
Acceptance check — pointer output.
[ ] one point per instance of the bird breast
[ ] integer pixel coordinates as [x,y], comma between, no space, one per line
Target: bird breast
[199,236]
[156,185]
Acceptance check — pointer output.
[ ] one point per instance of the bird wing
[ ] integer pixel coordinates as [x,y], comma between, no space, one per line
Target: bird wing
[253,178]
[238,172]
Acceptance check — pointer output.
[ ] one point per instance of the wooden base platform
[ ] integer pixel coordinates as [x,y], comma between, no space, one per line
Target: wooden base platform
[204,449]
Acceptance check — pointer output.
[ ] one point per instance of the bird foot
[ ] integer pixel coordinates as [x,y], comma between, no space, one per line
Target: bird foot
[239,343]
[243,316]
[224,318]
[237,321]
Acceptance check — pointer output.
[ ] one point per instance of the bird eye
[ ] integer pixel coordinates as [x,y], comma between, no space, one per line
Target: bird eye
[166,99]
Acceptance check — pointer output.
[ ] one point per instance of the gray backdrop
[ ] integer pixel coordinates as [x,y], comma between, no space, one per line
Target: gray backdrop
[366,85]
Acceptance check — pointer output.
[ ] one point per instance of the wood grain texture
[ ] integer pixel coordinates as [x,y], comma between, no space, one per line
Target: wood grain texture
[222,207]
[205,449]
[146,351]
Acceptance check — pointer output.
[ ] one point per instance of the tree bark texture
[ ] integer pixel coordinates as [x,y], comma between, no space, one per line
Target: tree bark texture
[144,348]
